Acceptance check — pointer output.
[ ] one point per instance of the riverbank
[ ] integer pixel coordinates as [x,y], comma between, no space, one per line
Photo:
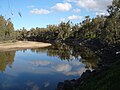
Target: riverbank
[104,79]
[19,45]
[106,76]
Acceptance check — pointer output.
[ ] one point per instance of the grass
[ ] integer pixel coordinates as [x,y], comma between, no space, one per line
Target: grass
[106,80]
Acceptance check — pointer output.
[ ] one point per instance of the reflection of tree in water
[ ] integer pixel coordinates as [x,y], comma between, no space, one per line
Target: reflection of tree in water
[6,58]
[89,58]
[60,50]
[90,63]
[68,52]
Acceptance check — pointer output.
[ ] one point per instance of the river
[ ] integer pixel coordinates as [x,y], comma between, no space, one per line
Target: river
[43,68]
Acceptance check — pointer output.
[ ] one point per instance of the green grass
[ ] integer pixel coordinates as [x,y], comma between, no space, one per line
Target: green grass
[106,80]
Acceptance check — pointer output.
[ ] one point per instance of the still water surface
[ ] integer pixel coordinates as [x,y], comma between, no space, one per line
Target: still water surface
[37,69]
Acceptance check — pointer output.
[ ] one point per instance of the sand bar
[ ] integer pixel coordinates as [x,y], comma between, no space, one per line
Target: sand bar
[19,45]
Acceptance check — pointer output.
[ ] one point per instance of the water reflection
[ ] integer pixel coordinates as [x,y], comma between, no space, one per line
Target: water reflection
[6,59]
[69,53]
[43,68]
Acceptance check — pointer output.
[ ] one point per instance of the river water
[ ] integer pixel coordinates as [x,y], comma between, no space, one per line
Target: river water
[43,68]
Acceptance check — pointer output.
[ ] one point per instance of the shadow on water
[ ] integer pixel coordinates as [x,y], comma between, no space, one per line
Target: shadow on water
[43,68]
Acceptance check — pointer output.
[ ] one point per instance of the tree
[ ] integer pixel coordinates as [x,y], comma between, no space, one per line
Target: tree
[6,29]
[113,21]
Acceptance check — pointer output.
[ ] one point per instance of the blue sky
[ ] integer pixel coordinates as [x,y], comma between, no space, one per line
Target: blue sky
[39,13]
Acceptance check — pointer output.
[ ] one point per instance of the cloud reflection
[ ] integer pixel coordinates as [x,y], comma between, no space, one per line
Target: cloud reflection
[48,67]
[40,62]
[35,87]
[76,63]
[47,84]
[29,83]
[63,67]
[78,72]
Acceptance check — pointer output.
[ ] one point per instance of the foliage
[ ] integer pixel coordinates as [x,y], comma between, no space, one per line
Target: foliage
[104,28]
[6,29]
[106,80]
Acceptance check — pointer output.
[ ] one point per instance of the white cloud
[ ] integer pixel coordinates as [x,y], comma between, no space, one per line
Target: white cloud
[102,13]
[76,10]
[94,4]
[74,17]
[71,0]
[87,3]
[39,11]
[62,7]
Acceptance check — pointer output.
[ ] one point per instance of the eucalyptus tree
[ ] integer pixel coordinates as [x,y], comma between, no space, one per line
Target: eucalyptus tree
[2,28]
[6,29]
[65,29]
[113,21]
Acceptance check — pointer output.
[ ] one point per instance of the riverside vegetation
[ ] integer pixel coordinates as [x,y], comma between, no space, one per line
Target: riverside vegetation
[100,34]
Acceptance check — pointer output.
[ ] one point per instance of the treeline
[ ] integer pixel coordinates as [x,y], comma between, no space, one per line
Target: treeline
[52,32]
[106,28]
[6,29]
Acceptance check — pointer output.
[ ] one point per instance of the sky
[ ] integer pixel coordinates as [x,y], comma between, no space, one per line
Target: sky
[40,13]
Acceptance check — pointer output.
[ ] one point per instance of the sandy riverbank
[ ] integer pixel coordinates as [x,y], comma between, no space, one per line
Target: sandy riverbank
[22,45]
